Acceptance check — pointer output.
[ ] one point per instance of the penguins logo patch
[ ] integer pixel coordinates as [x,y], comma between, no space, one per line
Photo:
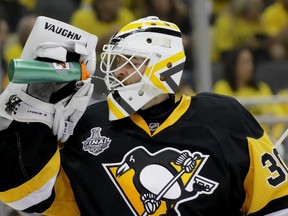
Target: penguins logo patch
[157,183]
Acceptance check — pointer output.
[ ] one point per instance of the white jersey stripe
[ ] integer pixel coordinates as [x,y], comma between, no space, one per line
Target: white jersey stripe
[283,212]
[36,197]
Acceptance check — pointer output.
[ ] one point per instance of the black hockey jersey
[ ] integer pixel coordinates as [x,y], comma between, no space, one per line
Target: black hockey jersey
[208,157]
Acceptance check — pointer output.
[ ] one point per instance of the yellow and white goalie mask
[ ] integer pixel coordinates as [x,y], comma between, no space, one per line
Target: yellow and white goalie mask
[143,60]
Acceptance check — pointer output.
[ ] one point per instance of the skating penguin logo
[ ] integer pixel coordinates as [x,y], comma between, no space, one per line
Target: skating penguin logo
[155,184]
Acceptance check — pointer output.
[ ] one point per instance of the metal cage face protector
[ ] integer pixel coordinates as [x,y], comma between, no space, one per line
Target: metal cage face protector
[112,62]
[153,52]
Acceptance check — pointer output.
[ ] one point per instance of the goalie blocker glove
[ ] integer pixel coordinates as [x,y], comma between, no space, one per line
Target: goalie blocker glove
[61,117]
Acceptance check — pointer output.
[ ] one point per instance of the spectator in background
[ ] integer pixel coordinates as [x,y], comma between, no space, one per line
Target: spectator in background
[24,28]
[239,81]
[268,2]
[135,6]
[239,75]
[57,9]
[274,21]
[103,18]
[85,3]
[14,50]
[29,4]
[13,11]
[236,26]
[218,7]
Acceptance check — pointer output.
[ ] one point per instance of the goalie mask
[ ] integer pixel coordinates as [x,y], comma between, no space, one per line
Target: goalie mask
[153,49]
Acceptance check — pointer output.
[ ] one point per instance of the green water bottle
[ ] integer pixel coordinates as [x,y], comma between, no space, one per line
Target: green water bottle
[33,71]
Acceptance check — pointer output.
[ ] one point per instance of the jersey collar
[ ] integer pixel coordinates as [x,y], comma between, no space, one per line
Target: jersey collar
[173,117]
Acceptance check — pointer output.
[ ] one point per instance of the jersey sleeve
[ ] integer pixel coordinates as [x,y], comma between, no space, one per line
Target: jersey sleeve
[266,183]
[265,179]
[29,166]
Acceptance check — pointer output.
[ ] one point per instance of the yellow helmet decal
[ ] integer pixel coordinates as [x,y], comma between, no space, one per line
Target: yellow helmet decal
[138,25]
[153,77]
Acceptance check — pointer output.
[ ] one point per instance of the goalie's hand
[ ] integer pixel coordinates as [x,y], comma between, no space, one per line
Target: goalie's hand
[61,116]
[69,103]
[69,110]
[58,105]
[51,92]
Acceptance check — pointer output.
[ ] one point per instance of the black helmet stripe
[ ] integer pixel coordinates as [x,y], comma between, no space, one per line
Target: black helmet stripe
[170,72]
[123,103]
[153,29]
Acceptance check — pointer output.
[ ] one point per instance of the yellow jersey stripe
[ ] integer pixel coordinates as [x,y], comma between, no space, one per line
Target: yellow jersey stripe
[45,175]
[35,197]
[138,120]
[261,192]
[64,203]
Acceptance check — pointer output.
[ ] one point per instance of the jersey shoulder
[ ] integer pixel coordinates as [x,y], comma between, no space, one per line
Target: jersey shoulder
[225,112]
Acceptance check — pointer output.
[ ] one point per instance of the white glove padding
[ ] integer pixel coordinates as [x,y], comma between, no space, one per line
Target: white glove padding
[24,108]
[58,51]
[60,117]
[69,110]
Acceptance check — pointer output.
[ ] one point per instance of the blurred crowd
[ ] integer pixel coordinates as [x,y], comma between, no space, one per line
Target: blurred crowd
[244,34]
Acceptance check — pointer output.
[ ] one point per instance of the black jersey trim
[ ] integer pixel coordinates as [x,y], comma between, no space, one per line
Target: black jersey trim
[24,151]
[274,206]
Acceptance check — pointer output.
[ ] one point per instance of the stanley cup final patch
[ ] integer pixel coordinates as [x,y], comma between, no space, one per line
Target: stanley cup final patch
[96,143]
